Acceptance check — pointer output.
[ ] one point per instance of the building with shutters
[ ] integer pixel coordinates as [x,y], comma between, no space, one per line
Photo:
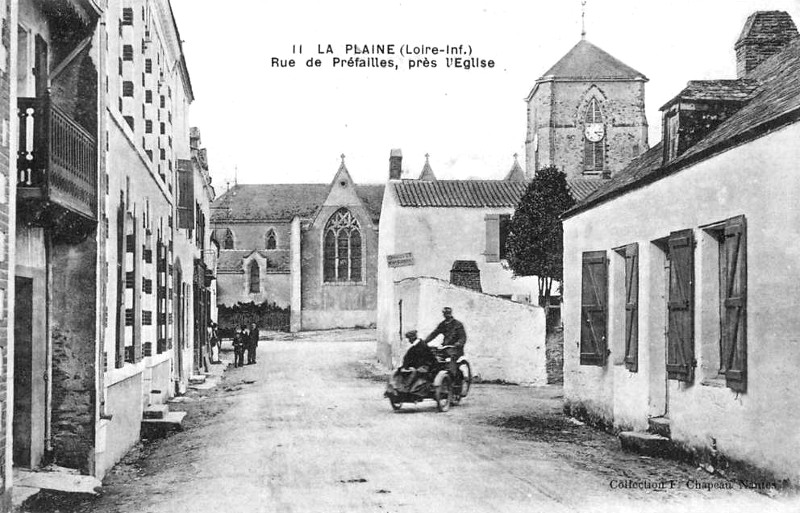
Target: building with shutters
[453,230]
[679,283]
[305,252]
[103,301]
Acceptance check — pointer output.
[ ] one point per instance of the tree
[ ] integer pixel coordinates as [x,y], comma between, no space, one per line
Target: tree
[535,245]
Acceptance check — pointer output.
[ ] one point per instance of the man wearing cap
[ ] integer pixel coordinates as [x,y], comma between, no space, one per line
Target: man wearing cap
[454,335]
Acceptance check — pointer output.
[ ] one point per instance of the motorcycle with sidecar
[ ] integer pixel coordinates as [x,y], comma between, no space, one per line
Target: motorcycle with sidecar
[440,385]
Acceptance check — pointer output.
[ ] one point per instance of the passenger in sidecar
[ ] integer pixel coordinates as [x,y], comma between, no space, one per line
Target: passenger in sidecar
[413,376]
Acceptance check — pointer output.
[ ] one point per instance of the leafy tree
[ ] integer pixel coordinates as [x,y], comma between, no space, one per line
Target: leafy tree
[535,244]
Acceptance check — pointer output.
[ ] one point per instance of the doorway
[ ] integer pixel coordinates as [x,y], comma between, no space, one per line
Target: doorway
[30,377]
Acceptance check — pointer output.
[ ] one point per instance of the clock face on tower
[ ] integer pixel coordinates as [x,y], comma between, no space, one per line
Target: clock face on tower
[594,132]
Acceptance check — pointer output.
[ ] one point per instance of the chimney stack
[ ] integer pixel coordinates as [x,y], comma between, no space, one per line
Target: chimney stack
[395,164]
[765,34]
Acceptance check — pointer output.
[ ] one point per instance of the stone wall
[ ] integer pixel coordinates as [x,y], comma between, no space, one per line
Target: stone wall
[556,122]
[328,305]
[505,340]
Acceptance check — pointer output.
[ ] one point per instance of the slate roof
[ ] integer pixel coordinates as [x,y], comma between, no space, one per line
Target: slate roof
[459,193]
[583,187]
[587,61]
[775,103]
[716,90]
[284,201]
[230,260]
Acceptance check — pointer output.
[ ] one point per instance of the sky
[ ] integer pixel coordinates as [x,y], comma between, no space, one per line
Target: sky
[271,124]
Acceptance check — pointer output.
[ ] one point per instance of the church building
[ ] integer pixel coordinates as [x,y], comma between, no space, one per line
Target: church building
[308,251]
[586,116]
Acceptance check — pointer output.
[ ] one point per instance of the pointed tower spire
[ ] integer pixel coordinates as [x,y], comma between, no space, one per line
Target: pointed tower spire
[583,19]
[427,172]
[516,174]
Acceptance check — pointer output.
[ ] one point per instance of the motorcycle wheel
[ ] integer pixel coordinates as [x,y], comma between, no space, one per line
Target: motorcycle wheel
[444,394]
[466,378]
[396,405]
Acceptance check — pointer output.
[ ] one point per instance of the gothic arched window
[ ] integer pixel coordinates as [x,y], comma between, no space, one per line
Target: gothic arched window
[593,139]
[255,277]
[342,248]
[271,241]
[228,242]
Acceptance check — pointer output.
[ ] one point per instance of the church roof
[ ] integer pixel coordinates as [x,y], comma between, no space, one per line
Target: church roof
[282,202]
[580,188]
[515,173]
[587,61]
[775,104]
[459,193]
[427,171]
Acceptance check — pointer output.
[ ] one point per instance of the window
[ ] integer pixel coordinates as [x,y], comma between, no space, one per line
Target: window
[129,120]
[270,240]
[163,101]
[593,142]
[672,135]
[505,225]
[148,96]
[127,88]
[148,126]
[127,52]
[680,307]
[228,242]
[255,277]
[148,65]
[342,248]
[163,128]
[594,308]
[127,16]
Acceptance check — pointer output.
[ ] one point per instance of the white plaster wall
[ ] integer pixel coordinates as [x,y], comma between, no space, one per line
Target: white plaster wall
[760,181]
[436,237]
[505,340]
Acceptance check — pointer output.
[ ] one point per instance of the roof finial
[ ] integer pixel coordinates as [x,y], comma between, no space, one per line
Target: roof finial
[515,157]
[583,19]
[427,156]
[342,155]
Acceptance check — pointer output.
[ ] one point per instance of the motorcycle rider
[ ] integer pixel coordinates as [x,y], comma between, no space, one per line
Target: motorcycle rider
[454,335]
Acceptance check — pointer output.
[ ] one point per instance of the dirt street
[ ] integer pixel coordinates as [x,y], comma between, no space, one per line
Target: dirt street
[307,430]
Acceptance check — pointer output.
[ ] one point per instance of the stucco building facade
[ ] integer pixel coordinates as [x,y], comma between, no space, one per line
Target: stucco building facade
[102,92]
[682,323]
[306,248]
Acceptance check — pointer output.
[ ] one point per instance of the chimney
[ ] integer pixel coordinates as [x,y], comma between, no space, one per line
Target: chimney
[395,164]
[765,34]
[465,273]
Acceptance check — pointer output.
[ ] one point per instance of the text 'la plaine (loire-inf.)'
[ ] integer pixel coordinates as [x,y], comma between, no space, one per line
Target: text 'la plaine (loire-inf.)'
[384,56]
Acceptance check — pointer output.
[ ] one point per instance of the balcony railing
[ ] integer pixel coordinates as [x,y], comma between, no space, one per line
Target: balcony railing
[57,158]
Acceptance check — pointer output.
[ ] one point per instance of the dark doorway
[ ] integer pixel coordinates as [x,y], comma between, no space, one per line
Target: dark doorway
[23,370]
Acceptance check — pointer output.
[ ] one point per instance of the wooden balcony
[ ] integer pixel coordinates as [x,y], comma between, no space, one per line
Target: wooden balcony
[56,166]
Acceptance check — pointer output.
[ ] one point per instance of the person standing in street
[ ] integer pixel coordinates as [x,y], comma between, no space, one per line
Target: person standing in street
[253,347]
[238,347]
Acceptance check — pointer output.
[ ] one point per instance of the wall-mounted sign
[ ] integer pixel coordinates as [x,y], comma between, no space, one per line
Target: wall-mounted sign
[400,260]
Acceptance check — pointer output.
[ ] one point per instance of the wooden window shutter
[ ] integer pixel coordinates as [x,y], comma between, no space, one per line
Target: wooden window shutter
[594,308]
[632,307]
[119,355]
[185,194]
[680,306]
[492,238]
[734,298]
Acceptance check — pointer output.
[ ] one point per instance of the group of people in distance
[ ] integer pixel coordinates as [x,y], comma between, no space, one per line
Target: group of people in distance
[245,341]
